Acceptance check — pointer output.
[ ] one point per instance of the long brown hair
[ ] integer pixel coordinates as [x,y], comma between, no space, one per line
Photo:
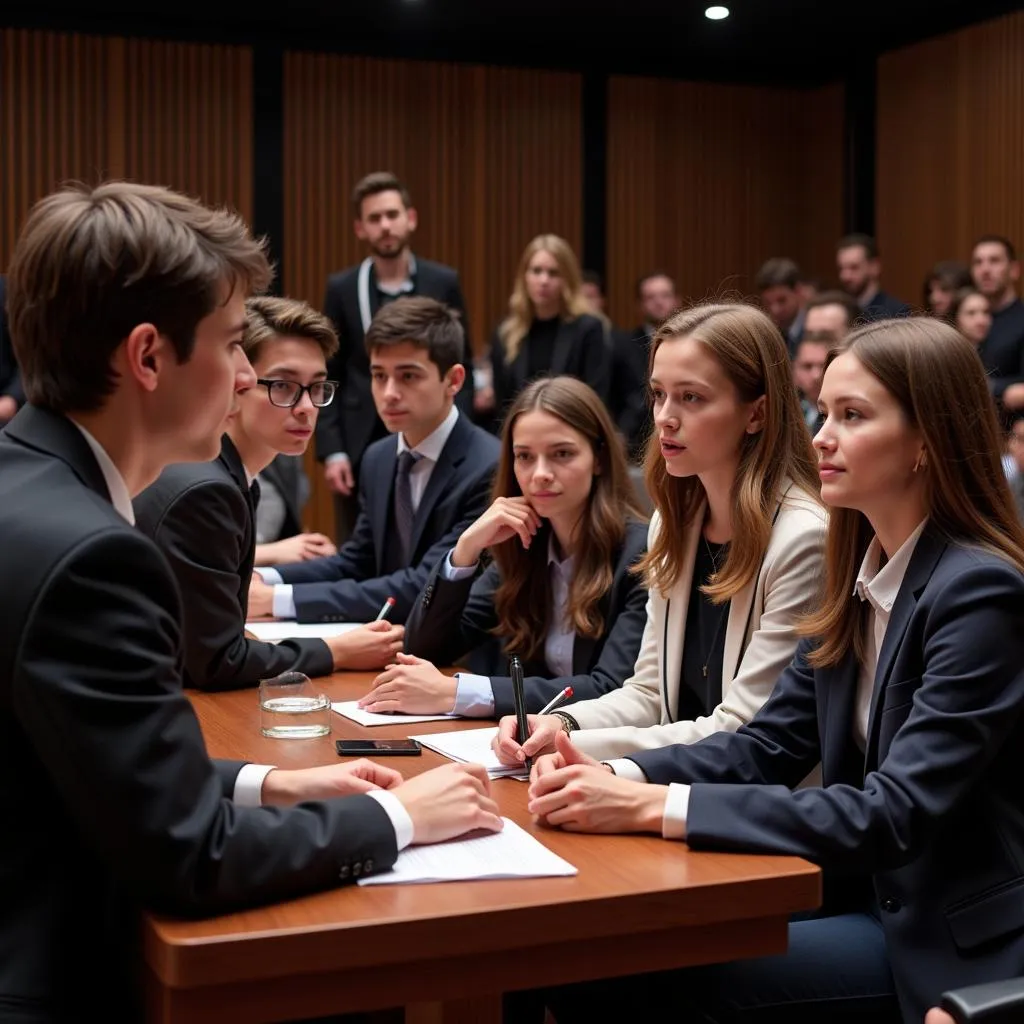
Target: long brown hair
[935,375]
[523,599]
[751,352]
[517,324]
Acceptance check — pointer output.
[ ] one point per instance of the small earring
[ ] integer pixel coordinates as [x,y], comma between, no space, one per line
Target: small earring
[922,461]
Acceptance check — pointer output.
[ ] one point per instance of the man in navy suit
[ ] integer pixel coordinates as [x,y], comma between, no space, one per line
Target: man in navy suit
[419,488]
[860,270]
[385,220]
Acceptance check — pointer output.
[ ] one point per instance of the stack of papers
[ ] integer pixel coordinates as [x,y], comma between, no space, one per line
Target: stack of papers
[473,746]
[289,629]
[511,853]
[351,709]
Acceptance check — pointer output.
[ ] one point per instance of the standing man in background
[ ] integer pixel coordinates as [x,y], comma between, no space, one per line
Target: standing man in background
[385,220]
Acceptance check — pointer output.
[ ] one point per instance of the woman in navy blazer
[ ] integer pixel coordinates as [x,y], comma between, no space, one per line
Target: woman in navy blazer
[561,591]
[909,687]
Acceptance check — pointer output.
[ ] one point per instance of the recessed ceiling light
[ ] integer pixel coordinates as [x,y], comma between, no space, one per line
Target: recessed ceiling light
[717,13]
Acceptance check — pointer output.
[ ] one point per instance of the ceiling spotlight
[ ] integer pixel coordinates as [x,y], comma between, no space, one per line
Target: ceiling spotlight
[717,13]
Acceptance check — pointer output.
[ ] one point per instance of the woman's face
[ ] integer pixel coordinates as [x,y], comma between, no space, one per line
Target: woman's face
[974,318]
[544,282]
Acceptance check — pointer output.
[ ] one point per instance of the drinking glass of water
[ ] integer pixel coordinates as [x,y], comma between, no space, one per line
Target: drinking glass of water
[291,709]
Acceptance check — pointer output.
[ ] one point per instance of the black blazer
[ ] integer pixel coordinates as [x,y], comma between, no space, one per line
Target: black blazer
[628,402]
[352,585]
[10,378]
[884,307]
[201,515]
[454,617]
[933,812]
[581,350]
[112,800]
[350,423]
[286,474]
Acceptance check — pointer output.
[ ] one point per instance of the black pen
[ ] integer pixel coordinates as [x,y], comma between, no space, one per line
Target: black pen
[515,670]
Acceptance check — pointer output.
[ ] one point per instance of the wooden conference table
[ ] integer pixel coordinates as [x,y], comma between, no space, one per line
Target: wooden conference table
[447,951]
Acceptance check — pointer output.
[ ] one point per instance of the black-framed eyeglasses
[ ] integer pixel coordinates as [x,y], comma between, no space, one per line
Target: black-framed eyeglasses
[288,393]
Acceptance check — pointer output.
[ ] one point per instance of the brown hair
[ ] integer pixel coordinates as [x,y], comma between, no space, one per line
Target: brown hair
[516,325]
[937,378]
[423,322]
[91,264]
[372,185]
[777,272]
[752,354]
[523,599]
[834,297]
[859,241]
[951,276]
[960,298]
[269,318]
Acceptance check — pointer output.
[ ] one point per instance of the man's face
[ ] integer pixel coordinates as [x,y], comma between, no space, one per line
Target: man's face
[858,274]
[782,304]
[809,368]
[592,294]
[993,270]
[658,299]
[386,224]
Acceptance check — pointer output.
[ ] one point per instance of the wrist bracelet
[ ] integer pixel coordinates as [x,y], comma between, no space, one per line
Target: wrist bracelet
[569,724]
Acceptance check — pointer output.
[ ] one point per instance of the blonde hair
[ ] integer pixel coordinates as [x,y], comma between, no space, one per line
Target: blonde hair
[517,324]
[752,354]
[936,377]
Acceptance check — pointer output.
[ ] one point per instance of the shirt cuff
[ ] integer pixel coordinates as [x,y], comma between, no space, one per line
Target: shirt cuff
[399,816]
[456,572]
[626,769]
[268,575]
[336,457]
[677,803]
[249,784]
[474,696]
[284,602]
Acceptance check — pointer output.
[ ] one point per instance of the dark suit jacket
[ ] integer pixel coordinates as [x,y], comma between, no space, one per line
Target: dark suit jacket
[10,379]
[352,585]
[884,307]
[350,423]
[581,350]
[933,812]
[201,516]
[287,476]
[628,392]
[454,617]
[111,799]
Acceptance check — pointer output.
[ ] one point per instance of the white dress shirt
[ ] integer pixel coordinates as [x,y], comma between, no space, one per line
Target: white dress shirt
[429,451]
[474,695]
[876,584]
[249,780]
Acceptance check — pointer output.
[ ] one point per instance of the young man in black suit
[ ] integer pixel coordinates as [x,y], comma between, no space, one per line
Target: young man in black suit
[385,219]
[127,307]
[202,514]
[419,488]
[860,270]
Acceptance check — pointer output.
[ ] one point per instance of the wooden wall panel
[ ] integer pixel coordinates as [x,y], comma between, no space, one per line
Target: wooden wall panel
[706,181]
[492,157]
[950,148]
[90,108]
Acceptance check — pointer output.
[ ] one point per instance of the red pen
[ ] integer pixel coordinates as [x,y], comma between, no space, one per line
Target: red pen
[385,610]
[559,698]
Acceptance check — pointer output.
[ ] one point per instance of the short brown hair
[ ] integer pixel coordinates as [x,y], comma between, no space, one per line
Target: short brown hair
[778,272]
[375,183]
[91,264]
[855,241]
[423,322]
[837,298]
[269,317]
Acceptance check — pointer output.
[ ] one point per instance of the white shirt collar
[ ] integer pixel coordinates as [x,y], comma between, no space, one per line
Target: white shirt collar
[119,496]
[432,445]
[553,559]
[881,586]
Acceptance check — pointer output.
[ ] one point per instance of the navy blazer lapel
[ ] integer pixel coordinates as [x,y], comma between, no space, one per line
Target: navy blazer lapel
[563,347]
[442,476]
[380,518]
[927,553]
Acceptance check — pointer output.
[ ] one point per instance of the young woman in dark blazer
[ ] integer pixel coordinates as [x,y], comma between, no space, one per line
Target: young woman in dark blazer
[908,686]
[564,535]
[549,329]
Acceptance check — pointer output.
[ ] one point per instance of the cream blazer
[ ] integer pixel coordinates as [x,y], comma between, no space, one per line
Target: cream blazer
[760,640]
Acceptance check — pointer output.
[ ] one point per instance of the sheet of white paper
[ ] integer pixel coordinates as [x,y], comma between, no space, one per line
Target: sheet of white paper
[511,853]
[351,709]
[472,746]
[288,629]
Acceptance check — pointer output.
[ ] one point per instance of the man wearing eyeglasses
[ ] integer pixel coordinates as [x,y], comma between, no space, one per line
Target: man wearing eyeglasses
[202,515]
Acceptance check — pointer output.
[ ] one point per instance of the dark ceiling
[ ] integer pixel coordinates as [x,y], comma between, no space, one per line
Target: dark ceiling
[785,41]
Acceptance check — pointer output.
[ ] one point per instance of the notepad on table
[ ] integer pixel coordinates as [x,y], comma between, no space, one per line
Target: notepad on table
[473,746]
[511,853]
[351,709]
[289,629]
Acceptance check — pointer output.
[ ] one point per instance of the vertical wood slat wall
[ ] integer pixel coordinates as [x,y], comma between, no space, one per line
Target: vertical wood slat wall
[707,181]
[491,156]
[950,153]
[89,108]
